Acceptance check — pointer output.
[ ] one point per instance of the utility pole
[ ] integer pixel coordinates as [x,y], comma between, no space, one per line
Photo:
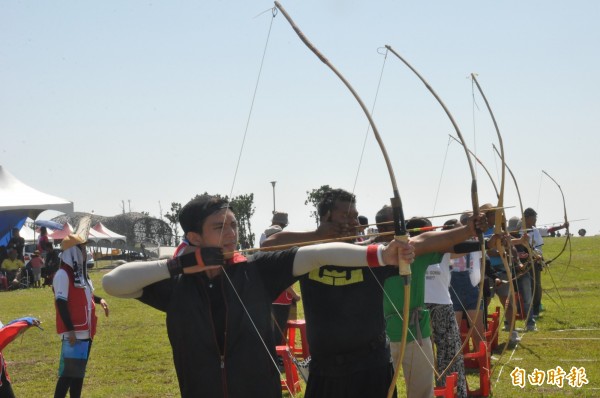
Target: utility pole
[273,184]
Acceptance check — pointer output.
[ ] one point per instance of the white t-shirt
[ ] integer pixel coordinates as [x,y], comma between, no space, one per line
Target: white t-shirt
[474,266]
[437,282]
[535,239]
[61,291]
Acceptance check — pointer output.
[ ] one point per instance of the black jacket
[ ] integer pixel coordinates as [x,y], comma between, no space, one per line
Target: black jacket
[227,358]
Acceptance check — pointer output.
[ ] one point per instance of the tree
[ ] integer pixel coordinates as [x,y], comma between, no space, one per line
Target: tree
[173,218]
[314,197]
[243,206]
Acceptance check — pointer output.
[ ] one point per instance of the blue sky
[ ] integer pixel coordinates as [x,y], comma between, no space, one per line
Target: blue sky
[148,101]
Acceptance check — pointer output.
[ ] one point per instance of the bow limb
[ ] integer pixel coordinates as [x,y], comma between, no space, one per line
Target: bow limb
[487,171]
[474,199]
[567,241]
[500,221]
[396,202]
[566,221]
[527,245]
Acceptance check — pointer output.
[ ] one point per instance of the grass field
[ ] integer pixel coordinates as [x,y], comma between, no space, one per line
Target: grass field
[131,356]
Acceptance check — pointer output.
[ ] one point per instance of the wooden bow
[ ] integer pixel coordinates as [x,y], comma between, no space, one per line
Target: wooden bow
[474,194]
[530,252]
[500,221]
[396,202]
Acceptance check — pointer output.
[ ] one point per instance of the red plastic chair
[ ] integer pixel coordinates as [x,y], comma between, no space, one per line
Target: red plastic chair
[450,390]
[291,383]
[300,324]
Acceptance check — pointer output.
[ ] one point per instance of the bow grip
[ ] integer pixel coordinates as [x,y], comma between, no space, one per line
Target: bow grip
[403,265]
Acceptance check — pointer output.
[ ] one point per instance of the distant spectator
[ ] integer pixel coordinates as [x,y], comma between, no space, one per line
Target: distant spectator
[36,264]
[282,304]
[363,222]
[51,264]
[11,265]
[17,242]
[278,223]
[3,254]
[42,241]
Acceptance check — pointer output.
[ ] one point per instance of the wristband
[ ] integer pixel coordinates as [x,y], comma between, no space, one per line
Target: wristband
[374,255]
[380,255]
[177,264]
[174,266]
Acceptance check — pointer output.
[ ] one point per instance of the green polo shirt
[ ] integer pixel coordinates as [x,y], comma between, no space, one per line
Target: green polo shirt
[394,289]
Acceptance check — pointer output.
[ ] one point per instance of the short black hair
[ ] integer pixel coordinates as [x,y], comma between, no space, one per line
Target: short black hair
[417,222]
[363,220]
[450,224]
[529,212]
[386,213]
[330,197]
[195,212]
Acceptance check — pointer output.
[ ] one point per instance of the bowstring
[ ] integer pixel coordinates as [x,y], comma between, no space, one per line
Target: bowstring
[274,14]
[474,107]
[262,61]
[362,152]
[437,193]
[398,312]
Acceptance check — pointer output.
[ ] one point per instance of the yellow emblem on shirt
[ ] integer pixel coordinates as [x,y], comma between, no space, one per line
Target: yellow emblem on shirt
[336,278]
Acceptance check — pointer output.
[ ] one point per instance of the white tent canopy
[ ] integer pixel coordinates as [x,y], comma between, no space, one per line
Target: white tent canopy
[16,195]
[19,201]
[111,236]
[96,236]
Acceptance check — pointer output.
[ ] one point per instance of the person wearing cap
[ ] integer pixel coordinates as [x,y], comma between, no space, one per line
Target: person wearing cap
[218,302]
[346,326]
[278,224]
[283,303]
[75,304]
[36,264]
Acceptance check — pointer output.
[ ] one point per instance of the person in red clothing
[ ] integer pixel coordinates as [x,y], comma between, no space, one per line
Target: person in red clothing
[43,241]
[75,316]
[36,264]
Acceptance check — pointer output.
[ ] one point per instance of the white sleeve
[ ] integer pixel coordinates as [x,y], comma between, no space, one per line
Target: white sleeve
[536,240]
[128,280]
[475,268]
[60,283]
[445,266]
[341,254]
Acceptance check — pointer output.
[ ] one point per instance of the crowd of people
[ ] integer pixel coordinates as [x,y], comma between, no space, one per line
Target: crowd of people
[351,294]
[226,309]
[36,271]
